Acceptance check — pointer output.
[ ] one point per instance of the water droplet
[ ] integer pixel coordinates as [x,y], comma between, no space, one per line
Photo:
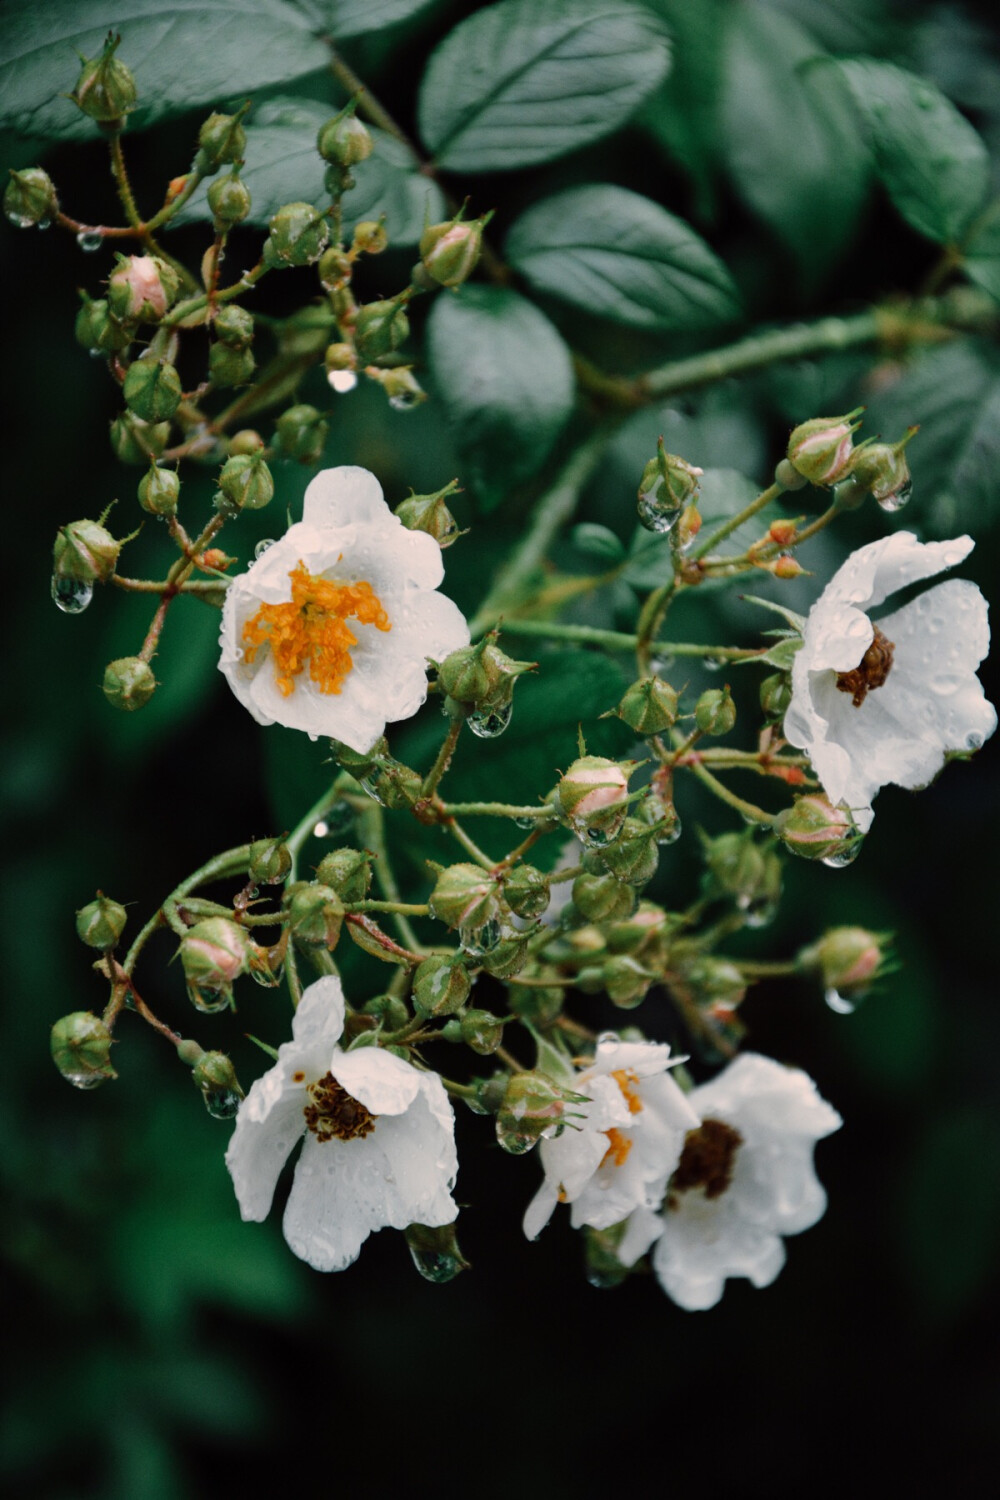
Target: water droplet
[405,400]
[222,1104]
[270,977]
[671,833]
[845,856]
[660,665]
[899,499]
[209,1001]
[44,224]
[372,784]
[339,821]
[973,741]
[655,515]
[262,546]
[20,221]
[89,242]
[605,1277]
[87,1080]
[342,381]
[72,595]
[760,913]
[714,663]
[838,1002]
[482,938]
[487,723]
[602,831]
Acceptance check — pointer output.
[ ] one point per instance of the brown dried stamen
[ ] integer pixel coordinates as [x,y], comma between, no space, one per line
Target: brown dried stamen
[336,1113]
[870,672]
[706,1161]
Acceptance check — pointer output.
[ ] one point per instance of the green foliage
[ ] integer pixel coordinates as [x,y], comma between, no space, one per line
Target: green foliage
[506,380]
[683,113]
[346,18]
[621,256]
[526,81]
[981,251]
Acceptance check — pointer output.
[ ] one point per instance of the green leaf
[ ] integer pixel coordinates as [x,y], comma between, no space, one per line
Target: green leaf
[934,166]
[981,251]
[529,80]
[598,542]
[506,379]
[342,18]
[617,254]
[790,138]
[182,53]
[683,113]
[283,166]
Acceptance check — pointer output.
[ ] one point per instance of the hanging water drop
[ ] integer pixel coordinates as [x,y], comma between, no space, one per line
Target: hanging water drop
[714,663]
[209,1001]
[372,784]
[71,595]
[487,723]
[481,938]
[262,546]
[222,1104]
[656,516]
[86,1080]
[898,499]
[338,822]
[845,856]
[89,241]
[405,400]
[839,1003]
[342,381]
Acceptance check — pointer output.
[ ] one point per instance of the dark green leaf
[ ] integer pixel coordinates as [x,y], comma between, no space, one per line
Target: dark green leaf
[528,80]
[283,166]
[683,113]
[182,53]
[934,165]
[506,380]
[620,255]
[981,251]
[357,17]
[597,541]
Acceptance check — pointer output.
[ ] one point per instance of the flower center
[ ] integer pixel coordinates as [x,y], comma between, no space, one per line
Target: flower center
[706,1161]
[336,1113]
[870,672]
[311,628]
[628,1081]
[618,1150]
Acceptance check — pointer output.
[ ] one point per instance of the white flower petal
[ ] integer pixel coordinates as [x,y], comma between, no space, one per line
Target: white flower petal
[319,1015]
[268,1126]
[338,496]
[382,1082]
[642,1229]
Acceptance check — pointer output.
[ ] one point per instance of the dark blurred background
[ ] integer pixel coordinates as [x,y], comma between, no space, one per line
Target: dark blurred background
[157,1347]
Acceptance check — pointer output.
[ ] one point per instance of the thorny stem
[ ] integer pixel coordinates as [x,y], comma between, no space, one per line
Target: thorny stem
[443,761]
[615,640]
[728,527]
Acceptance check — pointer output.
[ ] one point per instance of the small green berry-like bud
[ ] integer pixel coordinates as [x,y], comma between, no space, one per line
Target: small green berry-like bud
[465,896]
[215,1076]
[134,441]
[245,441]
[625,980]
[715,711]
[388,1009]
[152,389]
[430,513]
[775,695]
[396,786]
[348,872]
[270,862]
[97,329]
[668,484]
[602,898]
[370,237]
[533,1107]
[299,235]
[882,470]
[29,198]
[315,915]
[440,986]
[634,855]
[234,326]
[128,683]
[710,981]
[649,706]
[482,1031]
[380,328]
[539,1007]
[301,433]
[401,387]
[228,366]
[736,865]
[229,200]
[105,89]
[814,829]
[820,449]
[159,491]
[81,1049]
[344,141]
[449,252]
[84,550]
[526,891]
[246,482]
[101,923]
[221,139]
[508,956]
[849,960]
[142,288]
[481,676]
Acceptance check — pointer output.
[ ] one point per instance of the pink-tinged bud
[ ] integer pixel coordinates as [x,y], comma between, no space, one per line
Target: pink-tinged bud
[882,470]
[781,532]
[814,829]
[591,786]
[848,960]
[141,288]
[449,252]
[533,1109]
[214,953]
[786,566]
[466,897]
[820,450]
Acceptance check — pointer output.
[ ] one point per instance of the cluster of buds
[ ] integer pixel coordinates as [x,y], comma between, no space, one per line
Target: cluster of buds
[667,490]
[822,452]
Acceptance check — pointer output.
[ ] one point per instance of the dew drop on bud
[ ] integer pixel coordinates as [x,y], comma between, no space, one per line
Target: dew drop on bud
[72,595]
[206,1000]
[372,785]
[670,834]
[405,400]
[89,242]
[222,1104]
[262,546]
[657,517]
[487,723]
[482,938]
[838,1002]
[88,1080]
[897,500]
[843,857]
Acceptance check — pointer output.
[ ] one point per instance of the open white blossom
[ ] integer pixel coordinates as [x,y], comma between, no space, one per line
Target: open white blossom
[330,629]
[744,1179]
[627,1139]
[879,702]
[379,1139]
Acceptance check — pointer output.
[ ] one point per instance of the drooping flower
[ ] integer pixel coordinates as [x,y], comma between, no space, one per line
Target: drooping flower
[879,702]
[745,1178]
[330,629]
[378,1139]
[626,1142]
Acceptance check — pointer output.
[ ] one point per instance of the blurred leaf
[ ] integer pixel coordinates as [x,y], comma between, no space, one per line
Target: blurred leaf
[621,256]
[791,140]
[284,166]
[683,113]
[506,380]
[841,25]
[183,53]
[598,542]
[981,251]
[722,492]
[934,166]
[528,80]
[357,17]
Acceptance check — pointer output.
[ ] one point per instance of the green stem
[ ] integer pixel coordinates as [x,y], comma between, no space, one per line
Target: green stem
[728,527]
[407,908]
[752,969]
[304,827]
[372,828]
[187,309]
[494,810]
[616,640]
[443,761]
[748,810]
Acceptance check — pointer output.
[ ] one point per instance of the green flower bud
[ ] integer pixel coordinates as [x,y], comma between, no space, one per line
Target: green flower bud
[159,491]
[359,763]
[435,1252]
[526,891]
[736,865]
[230,202]
[482,1031]
[882,470]
[228,366]
[221,139]
[348,872]
[820,449]
[245,481]
[388,1009]
[270,862]
[141,288]
[775,695]
[593,796]
[466,896]
[710,981]
[848,960]
[539,1007]
[245,441]
[430,513]
[134,441]
[380,328]
[84,550]
[213,1073]
[340,361]
[634,856]
[507,957]
[814,829]
[214,953]
[533,1107]
[315,915]
[370,237]
[128,683]
[787,477]
[715,711]
[625,980]
[97,329]
[344,141]
[645,934]
[401,387]
[101,923]
[334,268]
[668,484]
[105,89]
[81,1049]
[602,898]
[301,434]
[449,252]
[649,706]
[440,986]
[396,786]
[29,199]
[299,235]
[482,675]
[234,326]
[152,389]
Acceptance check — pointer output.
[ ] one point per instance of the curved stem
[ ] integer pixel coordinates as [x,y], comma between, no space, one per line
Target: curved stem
[616,640]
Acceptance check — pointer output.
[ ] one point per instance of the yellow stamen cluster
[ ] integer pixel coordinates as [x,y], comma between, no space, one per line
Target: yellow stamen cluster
[311,628]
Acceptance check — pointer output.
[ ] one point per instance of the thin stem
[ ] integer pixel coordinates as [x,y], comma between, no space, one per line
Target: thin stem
[746,809]
[373,835]
[754,969]
[443,761]
[728,527]
[616,640]
[494,810]
[458,832]
[407,908]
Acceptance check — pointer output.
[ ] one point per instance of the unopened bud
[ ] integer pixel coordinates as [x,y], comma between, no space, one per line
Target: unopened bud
[465,896]
[482,1031]
[533,1108]
[538,1006]
[246,441]
[97,328]
[348,872]
[849,960]
[396,786]
[86,551]
[245,481]
[775,695]
[214,953]
[667,486]
[602,898]
[449,252]
[101,923]
[344,141]
[814,829]
[389,1010]
[710,981]
[689,525]
[430,513]
[81,1049]
[105,89]
[298,235]
[507,957]
[634,855]
[401,386]
[159,491]
[786,566]
[440,986]
[334,268]
[270,861]
[820,449]
[526,891]
[882,470]
[29,198]
[301,433]
[381,327]
[736,865]
[221,139]
[370,237]
[141,288]
[230,202]
[230,367]
[649,706]
[152,389]
[482,675]
[215,1076]
[622,977]
[593,795]
[715,711]
[134,441]
[234,326]
[128,683]
[315,914]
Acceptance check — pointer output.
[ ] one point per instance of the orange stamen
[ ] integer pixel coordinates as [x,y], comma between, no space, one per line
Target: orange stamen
[619,1148]
[311,628]
[628,1081]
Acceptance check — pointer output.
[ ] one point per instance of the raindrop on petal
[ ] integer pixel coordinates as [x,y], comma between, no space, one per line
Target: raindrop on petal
[262,546]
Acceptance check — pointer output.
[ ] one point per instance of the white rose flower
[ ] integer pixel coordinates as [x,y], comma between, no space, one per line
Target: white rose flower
[874,703]
[379,1147]
[627,1142]
[330,629]
[744,1179]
